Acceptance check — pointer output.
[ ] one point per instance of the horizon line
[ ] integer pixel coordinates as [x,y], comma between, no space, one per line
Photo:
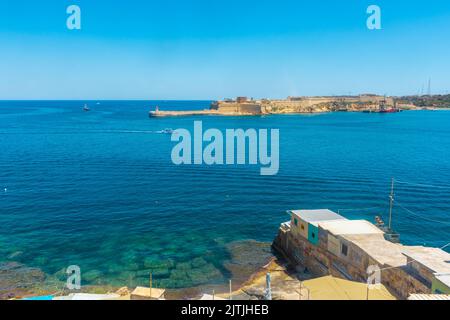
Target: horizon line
[209,99]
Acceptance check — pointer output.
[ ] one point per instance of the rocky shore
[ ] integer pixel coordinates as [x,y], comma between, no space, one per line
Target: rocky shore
[245,259]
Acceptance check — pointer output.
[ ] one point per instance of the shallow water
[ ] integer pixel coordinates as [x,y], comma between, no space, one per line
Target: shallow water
[98,189]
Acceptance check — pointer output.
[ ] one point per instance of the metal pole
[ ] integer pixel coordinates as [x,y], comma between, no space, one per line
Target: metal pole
[230,291]
[151,284]
[391,204]
[268,289]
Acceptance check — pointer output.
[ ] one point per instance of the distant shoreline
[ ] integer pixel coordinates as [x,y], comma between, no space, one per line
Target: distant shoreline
[243,106]
[190,113]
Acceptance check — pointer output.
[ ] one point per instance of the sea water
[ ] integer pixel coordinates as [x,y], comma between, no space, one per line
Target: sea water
[98,189]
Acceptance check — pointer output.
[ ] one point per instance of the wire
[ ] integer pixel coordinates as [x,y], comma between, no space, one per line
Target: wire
[421,216]
[423,185]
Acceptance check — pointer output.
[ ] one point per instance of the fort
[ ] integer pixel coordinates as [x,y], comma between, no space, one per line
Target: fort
[301,105]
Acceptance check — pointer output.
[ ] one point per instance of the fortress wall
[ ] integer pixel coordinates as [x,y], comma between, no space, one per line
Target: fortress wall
[234,107]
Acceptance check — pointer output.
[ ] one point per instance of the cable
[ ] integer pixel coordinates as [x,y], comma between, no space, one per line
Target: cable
[423,185]
[418,215]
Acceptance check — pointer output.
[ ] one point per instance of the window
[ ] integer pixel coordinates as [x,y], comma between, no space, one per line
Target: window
[303,227]
[344,249]
[313,235]
[296,222]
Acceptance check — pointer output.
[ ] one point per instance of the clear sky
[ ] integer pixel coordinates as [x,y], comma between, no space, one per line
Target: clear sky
[210,49]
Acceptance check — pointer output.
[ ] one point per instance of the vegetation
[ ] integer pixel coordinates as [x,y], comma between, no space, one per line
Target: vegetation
[435,101]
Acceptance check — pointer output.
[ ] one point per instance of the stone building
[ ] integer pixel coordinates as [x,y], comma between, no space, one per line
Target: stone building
[347,248]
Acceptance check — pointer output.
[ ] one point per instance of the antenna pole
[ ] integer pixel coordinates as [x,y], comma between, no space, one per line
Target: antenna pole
[151,285]
[391,203]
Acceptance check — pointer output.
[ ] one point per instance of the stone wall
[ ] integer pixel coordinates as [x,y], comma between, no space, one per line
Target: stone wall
[320,262]
[239,108]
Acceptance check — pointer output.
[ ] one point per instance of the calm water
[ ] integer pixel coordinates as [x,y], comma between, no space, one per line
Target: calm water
[98,189]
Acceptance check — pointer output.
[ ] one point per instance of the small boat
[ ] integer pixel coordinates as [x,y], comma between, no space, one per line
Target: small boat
[167,131]
[86,108]
[390,110]
[385,109]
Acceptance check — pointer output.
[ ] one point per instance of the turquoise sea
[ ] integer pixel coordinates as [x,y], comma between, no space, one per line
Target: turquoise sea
[98,189]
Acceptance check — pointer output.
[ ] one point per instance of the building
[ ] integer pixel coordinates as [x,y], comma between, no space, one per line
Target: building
[325,243]
[243,107]
[332,288]
[430,297]
[143,293]
[295,98]
[241,99]
[341,234]
[431,266]
[441,284]
[306,222]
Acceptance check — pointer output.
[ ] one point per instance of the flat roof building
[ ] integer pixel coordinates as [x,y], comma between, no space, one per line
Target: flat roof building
[348,227]
[431,266]
[434,259]
[306,222]
[315,216]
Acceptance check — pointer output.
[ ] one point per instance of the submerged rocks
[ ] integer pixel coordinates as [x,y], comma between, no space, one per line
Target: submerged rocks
[155,263]
[92,276]
[247,257]
[213,265]
[198,262]
[17,279]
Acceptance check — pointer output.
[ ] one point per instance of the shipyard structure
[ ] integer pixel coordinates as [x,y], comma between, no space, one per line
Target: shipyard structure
[324,243]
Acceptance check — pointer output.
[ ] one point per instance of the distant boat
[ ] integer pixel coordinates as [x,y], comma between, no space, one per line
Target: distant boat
[385,109]
[86,108]
[167,131]
[390,110]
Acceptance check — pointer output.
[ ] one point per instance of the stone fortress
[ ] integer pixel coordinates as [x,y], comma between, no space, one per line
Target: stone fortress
[361,103]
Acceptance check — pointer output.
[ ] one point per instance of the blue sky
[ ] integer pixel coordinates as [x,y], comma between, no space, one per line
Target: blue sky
[209,49]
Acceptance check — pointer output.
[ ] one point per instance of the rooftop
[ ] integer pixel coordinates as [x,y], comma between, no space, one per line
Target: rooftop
[436,260]
[152,293]
[429,297]
[381,250]
[444,278]
[211,297]
[347,227]
[331,288]
[315,216]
